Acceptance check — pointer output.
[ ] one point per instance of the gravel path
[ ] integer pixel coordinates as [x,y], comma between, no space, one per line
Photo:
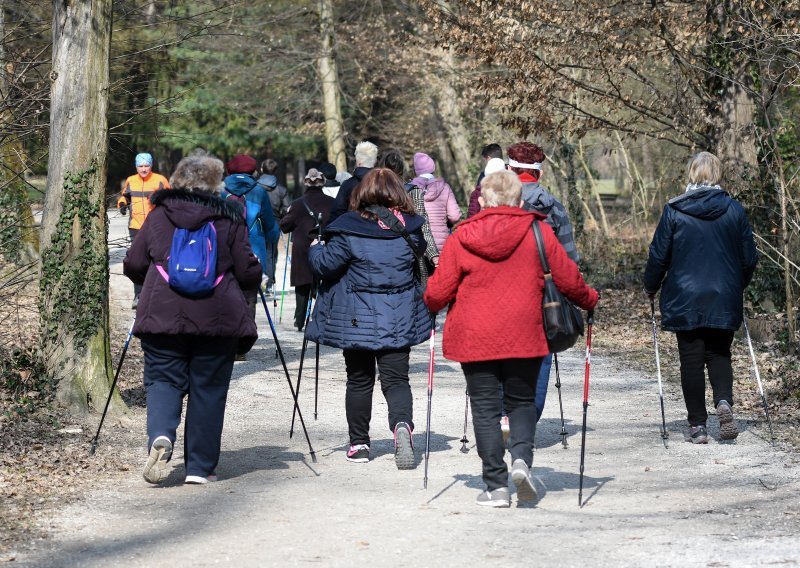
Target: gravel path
[724,504]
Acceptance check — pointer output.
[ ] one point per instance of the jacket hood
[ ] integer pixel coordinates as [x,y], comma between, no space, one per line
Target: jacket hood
[703,203]
[360,172]
[189,210]
[268,181]
[431,188]
[537,198]
[496,232]
[239,184]
[353,223]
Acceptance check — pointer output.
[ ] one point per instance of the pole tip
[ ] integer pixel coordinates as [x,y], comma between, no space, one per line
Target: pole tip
[313,457]
[92,448]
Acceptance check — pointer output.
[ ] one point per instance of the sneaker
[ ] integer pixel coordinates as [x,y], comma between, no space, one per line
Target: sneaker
[727,425]
[200,479]
[403,447]
[358,453]
[521,476]
[698,434]
[500,498]
[240,357]
[156,468]
[505,428]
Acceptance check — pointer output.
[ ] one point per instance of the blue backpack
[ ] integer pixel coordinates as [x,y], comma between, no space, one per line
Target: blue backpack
[192,262]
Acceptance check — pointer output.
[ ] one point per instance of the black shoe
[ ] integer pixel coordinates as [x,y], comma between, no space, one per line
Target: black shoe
[698,434]
[727,425]
[403,447]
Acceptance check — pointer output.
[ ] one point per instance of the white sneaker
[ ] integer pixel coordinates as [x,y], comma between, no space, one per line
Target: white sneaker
[200,480]
[505,428]
[157,468]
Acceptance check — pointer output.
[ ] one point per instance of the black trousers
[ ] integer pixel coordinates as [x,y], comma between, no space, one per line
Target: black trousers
[393,368]
[700,349]
[200,367]
[302,297]
[518,379]
[137,288]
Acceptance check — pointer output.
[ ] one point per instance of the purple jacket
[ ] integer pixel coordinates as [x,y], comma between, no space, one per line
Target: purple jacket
[162,310]
[440,206]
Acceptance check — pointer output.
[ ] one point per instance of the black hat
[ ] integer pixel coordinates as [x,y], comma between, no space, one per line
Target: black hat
[328,170]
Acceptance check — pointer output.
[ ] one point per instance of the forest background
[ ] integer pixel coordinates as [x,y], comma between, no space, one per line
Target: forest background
[620,97]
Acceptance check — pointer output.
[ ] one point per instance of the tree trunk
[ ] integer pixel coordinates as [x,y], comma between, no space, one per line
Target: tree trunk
[447,109]
[19,239]
[566,152]
[329,79]
[73,305]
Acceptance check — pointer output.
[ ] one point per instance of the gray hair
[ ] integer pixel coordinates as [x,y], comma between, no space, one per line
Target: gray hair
[705,169]
[366,154]
[501,188]
[201,174]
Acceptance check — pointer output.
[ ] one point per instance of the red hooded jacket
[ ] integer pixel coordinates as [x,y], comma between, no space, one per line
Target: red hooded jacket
[489,272]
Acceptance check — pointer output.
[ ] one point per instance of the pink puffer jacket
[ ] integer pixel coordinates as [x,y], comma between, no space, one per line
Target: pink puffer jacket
[440,206]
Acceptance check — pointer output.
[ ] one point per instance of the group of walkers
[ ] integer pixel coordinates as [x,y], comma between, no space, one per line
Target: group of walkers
[383,251]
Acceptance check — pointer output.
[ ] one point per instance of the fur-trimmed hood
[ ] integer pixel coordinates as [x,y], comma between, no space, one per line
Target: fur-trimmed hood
[190,210]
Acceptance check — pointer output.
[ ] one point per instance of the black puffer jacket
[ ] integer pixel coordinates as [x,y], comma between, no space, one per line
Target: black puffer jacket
[704,255]
[162,310]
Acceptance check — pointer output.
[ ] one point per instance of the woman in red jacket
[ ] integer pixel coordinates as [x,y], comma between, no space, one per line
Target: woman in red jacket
[489,273]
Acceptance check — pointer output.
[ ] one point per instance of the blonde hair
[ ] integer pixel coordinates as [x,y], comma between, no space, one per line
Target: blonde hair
[366,154]
[501,188]
[201,174]
[705,169]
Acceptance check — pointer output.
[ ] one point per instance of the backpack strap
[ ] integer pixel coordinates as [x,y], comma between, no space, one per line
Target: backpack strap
[394,224]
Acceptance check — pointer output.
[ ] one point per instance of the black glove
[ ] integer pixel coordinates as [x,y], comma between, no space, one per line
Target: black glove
[123,209]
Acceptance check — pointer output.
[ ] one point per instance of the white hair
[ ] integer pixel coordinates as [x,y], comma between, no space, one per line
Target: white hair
[366,154]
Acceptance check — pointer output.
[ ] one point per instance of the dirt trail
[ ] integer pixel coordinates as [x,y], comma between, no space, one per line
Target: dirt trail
[724,504]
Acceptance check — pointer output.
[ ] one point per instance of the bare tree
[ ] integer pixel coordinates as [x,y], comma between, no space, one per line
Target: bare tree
[74,269]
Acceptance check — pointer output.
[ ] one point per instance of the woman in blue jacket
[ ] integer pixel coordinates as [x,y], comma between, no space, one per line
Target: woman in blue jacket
[703,257]
[370,305]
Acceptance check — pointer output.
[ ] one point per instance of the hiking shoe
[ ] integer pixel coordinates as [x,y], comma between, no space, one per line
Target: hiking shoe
[727,425]
[698,434]
[499,498]
[403,447]
[156,468]
[505,428]
[521,476]
[200,479]
[358,453]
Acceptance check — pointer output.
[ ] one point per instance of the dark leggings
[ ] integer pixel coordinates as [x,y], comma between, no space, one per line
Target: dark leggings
[518,379]
[393,368]
[700,349]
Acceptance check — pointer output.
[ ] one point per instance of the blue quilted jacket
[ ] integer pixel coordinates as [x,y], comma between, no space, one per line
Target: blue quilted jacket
[369,297]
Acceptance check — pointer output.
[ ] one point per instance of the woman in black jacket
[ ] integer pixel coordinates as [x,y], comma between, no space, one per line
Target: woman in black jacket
[189,342]
[703,257]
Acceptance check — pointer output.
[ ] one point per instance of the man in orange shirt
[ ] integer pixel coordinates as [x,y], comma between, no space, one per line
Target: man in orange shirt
[136,197]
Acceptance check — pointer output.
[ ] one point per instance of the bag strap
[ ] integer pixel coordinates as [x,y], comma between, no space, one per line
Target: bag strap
[394,225]
[537,235]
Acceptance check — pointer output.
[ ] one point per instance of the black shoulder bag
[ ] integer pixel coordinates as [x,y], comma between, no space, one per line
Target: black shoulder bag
[563,322]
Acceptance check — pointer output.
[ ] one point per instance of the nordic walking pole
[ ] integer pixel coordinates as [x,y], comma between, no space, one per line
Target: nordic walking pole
[285,270]
[316,383]
[589,322]
[288,377]
[560,404]
[113,385]
[464,440]
[664,433]
[430,396]
[302,359]
[758,380]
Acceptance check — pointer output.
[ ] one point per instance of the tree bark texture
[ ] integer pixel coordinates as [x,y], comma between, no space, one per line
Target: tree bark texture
[449,112]
[19,240]
[329,79]
[74,268]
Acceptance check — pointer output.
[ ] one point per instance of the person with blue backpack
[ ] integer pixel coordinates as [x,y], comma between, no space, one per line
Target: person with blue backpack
[241,186]
[193,260]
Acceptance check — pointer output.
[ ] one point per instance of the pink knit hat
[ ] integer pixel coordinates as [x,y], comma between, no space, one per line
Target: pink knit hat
[423,164]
